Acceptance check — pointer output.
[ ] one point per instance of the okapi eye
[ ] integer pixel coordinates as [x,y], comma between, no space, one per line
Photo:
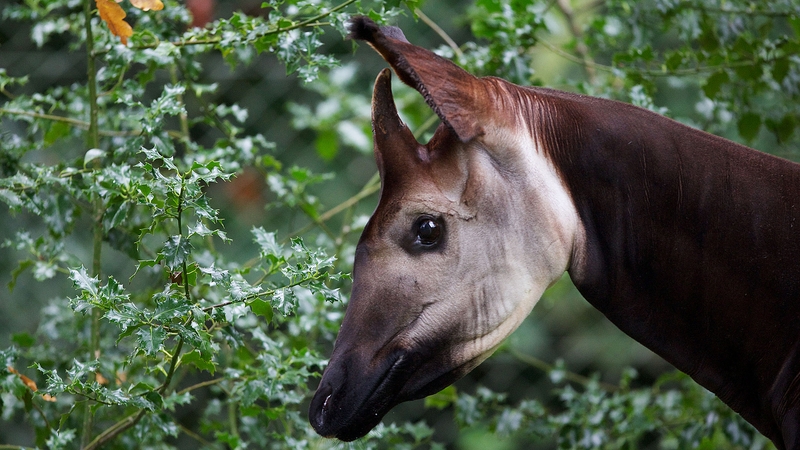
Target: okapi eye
[428,231]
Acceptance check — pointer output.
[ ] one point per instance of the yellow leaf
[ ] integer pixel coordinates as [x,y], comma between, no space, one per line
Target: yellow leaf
[113,15]
[147,5]
[100,379]
[25,380]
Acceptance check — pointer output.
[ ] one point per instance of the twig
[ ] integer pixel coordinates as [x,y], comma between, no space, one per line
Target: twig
[266,293]
[310,22]
[115,430]
[196,436]
[654,73]
[77,123]
[577,33]
[435,27]
[201,385]
[370,188]
[547,367]
[93,141]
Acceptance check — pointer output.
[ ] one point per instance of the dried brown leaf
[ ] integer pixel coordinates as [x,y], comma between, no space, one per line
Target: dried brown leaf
[30,384]
[100,379]
[113,15]
[147,5]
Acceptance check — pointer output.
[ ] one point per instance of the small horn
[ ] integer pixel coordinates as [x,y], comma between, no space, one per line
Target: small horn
[394,144]
[454,94]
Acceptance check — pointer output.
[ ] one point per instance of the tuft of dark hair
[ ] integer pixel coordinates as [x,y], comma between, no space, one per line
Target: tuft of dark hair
[363,28]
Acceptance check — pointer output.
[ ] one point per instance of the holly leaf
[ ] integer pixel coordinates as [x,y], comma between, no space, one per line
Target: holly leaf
[147,5]
[114,16]
[262,308]
[151,339]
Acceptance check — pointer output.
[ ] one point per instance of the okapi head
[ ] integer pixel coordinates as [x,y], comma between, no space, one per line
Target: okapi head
[470,229]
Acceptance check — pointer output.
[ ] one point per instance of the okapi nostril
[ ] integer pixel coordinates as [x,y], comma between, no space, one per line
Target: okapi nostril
[325,403]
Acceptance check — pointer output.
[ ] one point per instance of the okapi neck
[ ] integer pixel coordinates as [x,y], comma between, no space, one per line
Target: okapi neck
[691,248]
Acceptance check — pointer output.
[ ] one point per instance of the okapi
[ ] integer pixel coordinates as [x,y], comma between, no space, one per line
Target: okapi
[684,240]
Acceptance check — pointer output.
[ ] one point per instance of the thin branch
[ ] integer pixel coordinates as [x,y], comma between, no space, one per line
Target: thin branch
[744,12]
[268,292]
[443,34]
[93,141]
[654,73]
[10,96]
[370,188]
[577,33]
[547,367]
[201,385]
[172,365]
[115,430]
[310,22]
[196,436]
[75,122]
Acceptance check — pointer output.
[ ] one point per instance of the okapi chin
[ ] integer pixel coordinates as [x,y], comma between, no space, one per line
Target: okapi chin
[684,240]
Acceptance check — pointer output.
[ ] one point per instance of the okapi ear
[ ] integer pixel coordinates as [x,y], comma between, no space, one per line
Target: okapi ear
[395,145]
[456,96]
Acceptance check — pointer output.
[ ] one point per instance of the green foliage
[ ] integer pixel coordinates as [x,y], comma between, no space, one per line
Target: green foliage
[161,309]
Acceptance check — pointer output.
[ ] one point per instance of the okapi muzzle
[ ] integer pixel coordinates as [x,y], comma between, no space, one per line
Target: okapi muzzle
[684,240]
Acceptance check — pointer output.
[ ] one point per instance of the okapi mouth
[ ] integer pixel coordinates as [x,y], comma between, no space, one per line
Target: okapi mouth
[345,408]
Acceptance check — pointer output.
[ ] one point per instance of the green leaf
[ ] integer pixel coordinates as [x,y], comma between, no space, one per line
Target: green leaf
[749,124]
[780,69]
[262,308]
[23,339]
[175,251]
[714,83]
[82,280]
[442,399]
[56,131]
[92,155]
[267,242]
[196,359]
[151,339]
[783,128]
[327,144]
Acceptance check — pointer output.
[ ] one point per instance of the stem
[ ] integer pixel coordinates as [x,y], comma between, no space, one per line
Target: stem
[577,33]
[173,363]
[93,141]
[370,188]
[202,384]
[75,122]
[435,27]
[233,420]
[183,117]
[654,73]
[310,22]
[547,367]
[114,430]
[196,436]
[266,293]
